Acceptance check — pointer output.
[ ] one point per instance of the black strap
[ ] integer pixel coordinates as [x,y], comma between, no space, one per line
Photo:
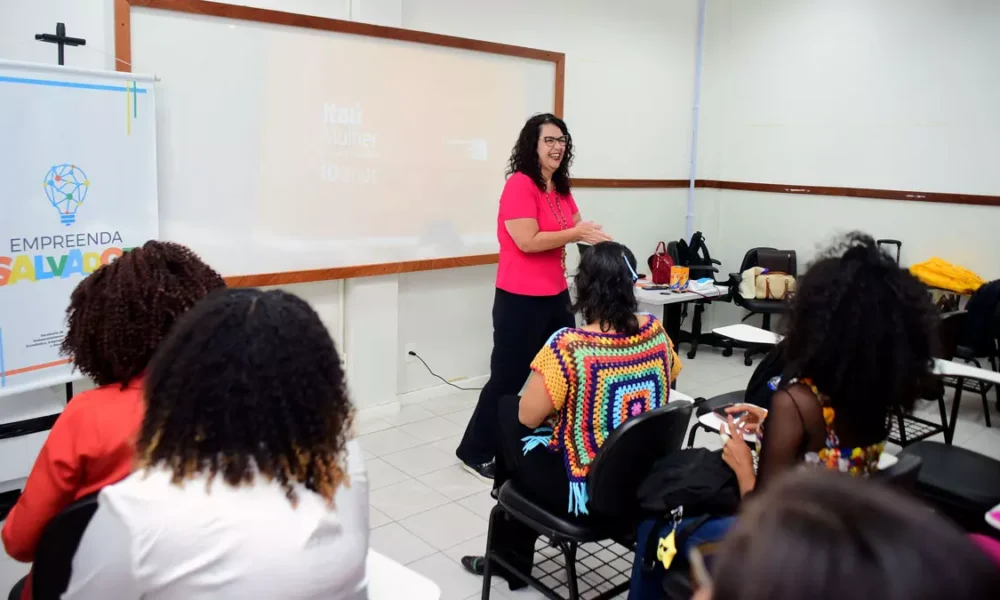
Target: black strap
[653,542]
[649,560]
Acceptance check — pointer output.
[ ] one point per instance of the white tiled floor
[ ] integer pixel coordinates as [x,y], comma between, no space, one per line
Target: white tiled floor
[427,512]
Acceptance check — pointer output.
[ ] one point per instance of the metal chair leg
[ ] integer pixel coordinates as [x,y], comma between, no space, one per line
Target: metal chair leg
[956,401]
[570,553]
[986,403]
[495,514]
[902,427]
[944,419]
[691,436]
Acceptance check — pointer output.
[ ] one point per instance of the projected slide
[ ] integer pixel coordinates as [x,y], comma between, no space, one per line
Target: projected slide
[286,148]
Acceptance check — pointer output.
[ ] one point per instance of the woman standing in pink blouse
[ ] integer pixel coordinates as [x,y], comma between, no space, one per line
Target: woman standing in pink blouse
[537,218]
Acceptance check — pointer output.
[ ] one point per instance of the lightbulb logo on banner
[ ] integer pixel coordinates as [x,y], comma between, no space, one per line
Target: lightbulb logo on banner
[66,187]
[39,258]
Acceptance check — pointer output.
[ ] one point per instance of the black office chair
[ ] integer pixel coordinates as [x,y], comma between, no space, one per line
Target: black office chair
[620,466]
[758,390]
[782,261]
[908,429]
[981,339]
[54,556]
[961,484]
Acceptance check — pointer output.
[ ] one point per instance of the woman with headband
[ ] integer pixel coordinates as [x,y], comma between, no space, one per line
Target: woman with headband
[551,434]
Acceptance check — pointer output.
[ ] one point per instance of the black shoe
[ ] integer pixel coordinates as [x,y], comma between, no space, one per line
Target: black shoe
[476,564]
[485,471]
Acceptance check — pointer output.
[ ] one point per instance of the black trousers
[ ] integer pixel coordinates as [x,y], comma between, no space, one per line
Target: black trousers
[521,326]
[539,474]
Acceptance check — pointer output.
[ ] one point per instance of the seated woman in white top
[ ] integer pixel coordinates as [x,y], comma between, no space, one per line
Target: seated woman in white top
[246,484]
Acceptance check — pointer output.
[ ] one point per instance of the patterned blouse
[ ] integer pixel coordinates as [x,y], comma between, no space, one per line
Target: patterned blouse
[861,461]
[596,381]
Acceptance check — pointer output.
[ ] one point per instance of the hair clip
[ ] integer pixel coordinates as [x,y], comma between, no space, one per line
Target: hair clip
[635,276]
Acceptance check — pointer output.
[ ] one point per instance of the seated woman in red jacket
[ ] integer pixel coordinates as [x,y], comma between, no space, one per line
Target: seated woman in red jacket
[117,317]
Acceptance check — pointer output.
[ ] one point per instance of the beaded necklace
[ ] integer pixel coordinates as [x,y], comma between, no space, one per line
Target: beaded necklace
[557,212]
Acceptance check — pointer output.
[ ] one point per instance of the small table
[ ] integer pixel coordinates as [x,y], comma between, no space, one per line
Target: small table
[665,297]
[671,302]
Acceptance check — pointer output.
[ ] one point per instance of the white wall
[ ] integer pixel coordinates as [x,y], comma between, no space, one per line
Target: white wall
[894,94]
[628,98]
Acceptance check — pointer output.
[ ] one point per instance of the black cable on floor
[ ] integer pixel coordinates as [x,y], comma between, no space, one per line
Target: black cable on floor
[429,370]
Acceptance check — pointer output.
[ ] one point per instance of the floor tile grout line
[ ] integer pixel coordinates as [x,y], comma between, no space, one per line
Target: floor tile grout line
[398,522]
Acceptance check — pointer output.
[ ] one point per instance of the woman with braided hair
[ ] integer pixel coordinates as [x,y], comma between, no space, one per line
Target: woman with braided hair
[246,484]
[117,317]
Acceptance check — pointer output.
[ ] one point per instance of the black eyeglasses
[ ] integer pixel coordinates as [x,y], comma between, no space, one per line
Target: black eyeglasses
[552,141]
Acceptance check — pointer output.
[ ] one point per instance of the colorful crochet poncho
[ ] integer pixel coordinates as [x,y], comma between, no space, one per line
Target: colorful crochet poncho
[596,381]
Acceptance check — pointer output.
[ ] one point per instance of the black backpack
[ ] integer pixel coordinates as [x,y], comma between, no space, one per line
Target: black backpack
[766,378]
[696,480]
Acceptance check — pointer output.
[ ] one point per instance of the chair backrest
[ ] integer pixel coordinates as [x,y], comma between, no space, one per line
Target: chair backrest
[750,258]
[759,390]
[904,474]
[628,454]
[950,331]
[54,556]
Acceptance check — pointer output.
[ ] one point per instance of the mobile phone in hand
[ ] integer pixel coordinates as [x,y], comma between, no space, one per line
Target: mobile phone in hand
[721,411]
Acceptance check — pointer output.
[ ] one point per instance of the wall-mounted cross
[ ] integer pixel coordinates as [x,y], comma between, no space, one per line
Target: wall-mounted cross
[61,39]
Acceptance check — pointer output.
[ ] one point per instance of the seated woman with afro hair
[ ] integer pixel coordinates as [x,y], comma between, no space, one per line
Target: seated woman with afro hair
[117,317]
[246,485]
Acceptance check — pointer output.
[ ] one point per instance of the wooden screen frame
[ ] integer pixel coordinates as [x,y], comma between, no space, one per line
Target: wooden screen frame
[123,62]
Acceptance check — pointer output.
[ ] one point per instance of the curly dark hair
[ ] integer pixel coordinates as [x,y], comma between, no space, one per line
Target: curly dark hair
[865,331]
[524,155]
[827,536]
[118,315]
[248,382]
[605,289]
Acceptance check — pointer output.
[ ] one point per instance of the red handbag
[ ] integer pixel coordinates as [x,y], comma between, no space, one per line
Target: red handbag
[660,264]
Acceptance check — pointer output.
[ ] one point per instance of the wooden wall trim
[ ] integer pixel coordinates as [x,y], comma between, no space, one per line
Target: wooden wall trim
[277,17]
[802,190]
[631,183]
[849,192]
[395,268]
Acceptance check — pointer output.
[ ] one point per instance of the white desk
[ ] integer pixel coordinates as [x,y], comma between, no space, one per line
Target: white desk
[948,368]
[747,334]
[389,580]
[665,297]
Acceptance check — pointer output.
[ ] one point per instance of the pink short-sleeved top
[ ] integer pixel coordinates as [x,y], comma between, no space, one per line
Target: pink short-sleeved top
[538,273]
